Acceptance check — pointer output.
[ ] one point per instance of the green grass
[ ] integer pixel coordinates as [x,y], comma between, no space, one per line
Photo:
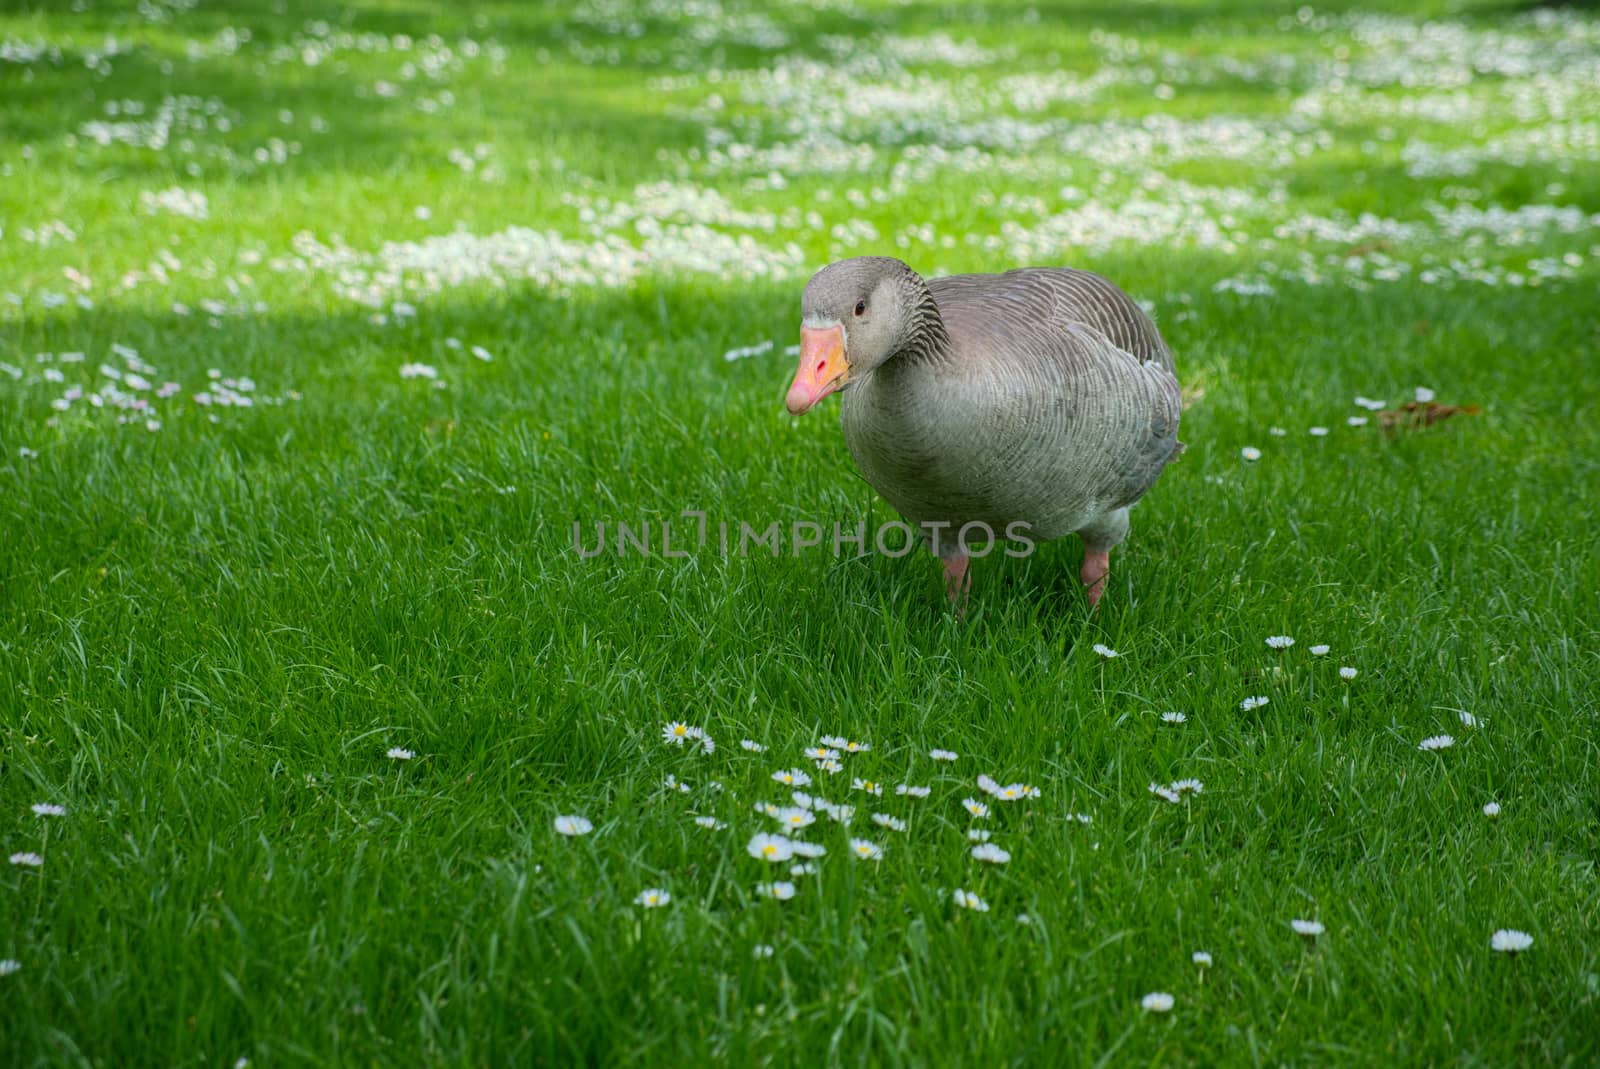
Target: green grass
[211,633]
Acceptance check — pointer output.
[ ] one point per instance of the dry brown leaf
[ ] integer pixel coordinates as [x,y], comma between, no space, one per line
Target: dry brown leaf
[1415,415]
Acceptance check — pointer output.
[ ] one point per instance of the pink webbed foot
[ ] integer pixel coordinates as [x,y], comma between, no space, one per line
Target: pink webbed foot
[957,580]
[1096,566]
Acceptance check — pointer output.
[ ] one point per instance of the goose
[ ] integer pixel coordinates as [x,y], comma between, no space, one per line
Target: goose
[1031,405]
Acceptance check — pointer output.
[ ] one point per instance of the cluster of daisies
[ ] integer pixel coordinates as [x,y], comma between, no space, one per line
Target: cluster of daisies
[30,859]
[791,849]
[1423,395]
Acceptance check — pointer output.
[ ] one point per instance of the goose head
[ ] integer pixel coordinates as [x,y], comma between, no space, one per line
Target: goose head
[855,314]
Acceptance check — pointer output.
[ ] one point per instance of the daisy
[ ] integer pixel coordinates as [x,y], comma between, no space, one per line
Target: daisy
[1319,651]
[913,792]
[780,891]
[1254,702]
[1105,652]
[820,753]
[989,786]
[652,898]
[795,817]
[673,783]
[968,900]
[677,733]
[1157,1002]
[1310,929]
[802,868]
[29,859]
[802,848]
[1436,742]
[1424,395]
[978,835]
[1279,642]
[884,820]
[710,823]
[573,825]
[865,850]
[1165,793]
[1510,941]
[9,966]
[707,744]
[805,801]
[857,747]
[1081,818]
[773,848]
[792,777]
[834,742]
[768,809]
[1467,719]
[399,753]
[975,807]
[752,745]
[1201,958]
[839,814]
[1173,718]
[1277,432]
[1187,786]
[830,766]
[1319,432]
[49,809]
[991,853]
[1023,918]
[1250,452]
[942,755]
[1491,810]
[872,788]
[762,950]
[1347,673]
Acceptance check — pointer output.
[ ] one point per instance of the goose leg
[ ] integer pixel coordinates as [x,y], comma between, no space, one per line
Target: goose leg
[1098,539]
[957,580]
[1096,566]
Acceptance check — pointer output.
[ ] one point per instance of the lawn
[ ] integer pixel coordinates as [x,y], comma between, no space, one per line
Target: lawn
[324,330]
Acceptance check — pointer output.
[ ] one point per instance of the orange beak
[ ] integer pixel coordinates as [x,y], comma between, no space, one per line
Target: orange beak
[823,367]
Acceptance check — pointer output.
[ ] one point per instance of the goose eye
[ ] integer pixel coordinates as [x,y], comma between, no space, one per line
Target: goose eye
[861,308]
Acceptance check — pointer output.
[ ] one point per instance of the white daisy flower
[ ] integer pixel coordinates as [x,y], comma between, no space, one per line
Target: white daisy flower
[1023,918]
[1356,421]
[707,743]
[1510,941]
[857,747]
[1187,786]
[710,823]
[913,792]
[780,890]
[772,848]
[652,898]
[991,853]
[1347,673]
[1157,1002]
[1468,721]
[975,807]
[968,900]
[399,753]
[884,820]
[673,783]
[792,777]
[1081,818]
[865,850]
[1165,793]
[1255,702]
[1105,652]
[802,868]
[1174,718]
[1250,452]
[1279,642]
[1319,432]
[767,809]
[870,786]
[834,742]
[9,966]
[677,733]
[830,766]
[943,755]
[49,809]
[820,753]
[573,825]
[806,801]
[1277,432]
[794,817]
[752,745]
[1201,958]
[1436,742]
[29,859]
[839,814]
[802,848]
[1491,810]
[978,835]
[1311,929]
[1319,651]
[762,950]
[988,786]
[1424,395]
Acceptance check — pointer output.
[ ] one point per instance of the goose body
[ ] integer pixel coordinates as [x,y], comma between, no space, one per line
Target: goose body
[1043,397]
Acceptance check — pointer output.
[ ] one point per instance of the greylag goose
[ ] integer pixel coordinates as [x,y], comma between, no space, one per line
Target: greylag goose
[1033,404]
